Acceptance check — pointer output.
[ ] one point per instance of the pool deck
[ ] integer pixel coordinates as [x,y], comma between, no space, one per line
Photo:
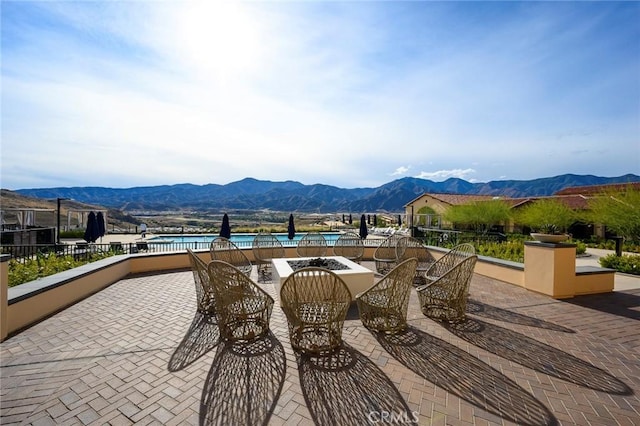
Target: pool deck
[137,353]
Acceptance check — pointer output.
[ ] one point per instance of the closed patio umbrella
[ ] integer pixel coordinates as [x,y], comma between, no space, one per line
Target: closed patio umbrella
[91,233]
[225,229]
[350,220]
[291,229]
[101,225]
[363,228]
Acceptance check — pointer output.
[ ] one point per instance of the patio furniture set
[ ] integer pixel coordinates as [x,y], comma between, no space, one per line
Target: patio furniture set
[315,300]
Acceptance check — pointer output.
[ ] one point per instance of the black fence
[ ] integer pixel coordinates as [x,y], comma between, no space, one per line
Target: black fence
[86,251]
[448,237]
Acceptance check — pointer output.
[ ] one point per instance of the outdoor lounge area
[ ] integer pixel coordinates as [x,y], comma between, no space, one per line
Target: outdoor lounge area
[139,352]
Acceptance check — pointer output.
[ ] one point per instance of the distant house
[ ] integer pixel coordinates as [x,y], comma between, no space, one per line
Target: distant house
[426,209]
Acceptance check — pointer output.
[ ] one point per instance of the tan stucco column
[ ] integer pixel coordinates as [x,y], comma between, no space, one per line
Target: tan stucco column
[550,268]
[4,295]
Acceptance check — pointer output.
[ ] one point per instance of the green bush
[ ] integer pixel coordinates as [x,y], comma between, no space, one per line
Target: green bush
[581,248]
[44,265]
[628,263]
[509,250]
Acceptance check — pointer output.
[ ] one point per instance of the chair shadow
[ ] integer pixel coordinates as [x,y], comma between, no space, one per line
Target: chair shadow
[482,309]
[537,356]
[244,383]
[465,376]
[346,388]
[202,336]
[620,303]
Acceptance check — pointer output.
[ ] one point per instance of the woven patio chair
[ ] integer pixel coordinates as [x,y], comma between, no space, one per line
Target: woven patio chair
[385,254]
[383,307]
[243,308]
[205,296]
[350,246]
[266,247]
[408,248]
[315,302]
[446,262]
[312,244]
[445,299]
[223,249]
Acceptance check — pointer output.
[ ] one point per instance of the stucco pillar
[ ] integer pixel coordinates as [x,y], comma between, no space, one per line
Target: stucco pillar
[4,292]
[550,268]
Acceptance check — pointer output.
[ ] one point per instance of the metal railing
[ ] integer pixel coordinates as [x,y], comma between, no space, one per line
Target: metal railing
[85,251]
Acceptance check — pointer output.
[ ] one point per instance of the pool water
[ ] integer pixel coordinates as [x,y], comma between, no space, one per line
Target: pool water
[237,239]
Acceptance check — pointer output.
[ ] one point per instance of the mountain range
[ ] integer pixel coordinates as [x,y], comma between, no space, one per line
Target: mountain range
[253,194]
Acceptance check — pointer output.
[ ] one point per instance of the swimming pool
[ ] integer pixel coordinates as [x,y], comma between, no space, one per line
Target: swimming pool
[241,240]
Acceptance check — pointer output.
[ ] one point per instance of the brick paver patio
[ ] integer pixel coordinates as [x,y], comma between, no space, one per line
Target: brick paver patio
[136,353]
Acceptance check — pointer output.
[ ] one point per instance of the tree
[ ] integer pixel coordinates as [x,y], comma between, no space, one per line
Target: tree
[482,215]
[619,211]
[547,216]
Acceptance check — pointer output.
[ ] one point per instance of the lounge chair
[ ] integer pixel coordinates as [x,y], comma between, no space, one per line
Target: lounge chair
[223,249]
[312,244]
[205,296]
[266,247]
[409,247]
[445,298]
[448,260]
[385,254]
[315,302]
[350,246]
[243,308]
[383,307]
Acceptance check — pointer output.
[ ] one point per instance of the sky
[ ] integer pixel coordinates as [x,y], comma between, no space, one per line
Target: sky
[352,94]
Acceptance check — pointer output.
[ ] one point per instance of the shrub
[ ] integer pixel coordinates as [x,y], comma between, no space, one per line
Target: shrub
[44,265]
[510,250]
[628,263]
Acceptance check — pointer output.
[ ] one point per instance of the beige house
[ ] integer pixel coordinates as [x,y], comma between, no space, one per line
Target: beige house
[426,210]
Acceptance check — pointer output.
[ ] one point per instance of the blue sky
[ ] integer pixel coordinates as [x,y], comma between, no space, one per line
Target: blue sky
[351,94]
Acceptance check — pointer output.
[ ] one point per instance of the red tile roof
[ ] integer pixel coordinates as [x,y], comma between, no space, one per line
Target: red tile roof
[599,189]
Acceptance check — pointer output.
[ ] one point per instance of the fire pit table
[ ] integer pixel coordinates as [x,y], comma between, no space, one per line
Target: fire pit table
[356,277]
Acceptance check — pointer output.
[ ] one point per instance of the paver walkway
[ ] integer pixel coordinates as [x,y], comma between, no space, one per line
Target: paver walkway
[136,353]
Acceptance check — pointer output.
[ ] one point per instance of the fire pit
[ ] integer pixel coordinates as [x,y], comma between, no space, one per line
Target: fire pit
[356,277]
[319,262]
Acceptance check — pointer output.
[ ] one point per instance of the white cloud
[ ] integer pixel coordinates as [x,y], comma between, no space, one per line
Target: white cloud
[402,170]
[441,175]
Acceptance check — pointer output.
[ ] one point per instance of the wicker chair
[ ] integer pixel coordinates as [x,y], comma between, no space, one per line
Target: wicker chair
[315,302]
[205,295]
[350,246]
[312,244]
[408,248]
[243,308]
[225,250]
[445,299]
[266,247]
[383,307]
[446,262]
[385,254]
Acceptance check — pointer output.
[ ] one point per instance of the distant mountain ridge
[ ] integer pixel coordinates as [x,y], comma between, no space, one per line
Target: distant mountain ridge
[253,194]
